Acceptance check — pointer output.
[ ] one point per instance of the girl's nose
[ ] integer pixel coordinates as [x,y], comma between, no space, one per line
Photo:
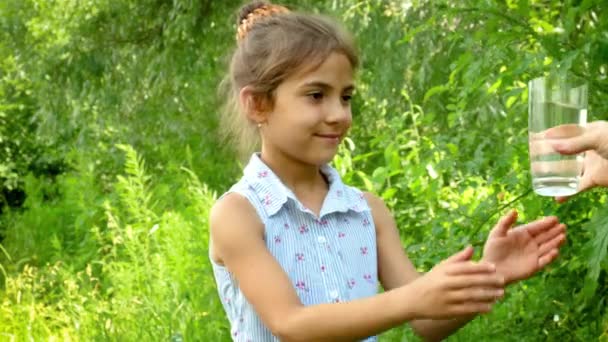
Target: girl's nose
[339,112]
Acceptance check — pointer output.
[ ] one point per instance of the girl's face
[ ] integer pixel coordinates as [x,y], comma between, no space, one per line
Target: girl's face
[311,113]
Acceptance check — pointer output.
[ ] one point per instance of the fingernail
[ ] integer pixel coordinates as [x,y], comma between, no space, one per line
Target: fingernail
[500,292]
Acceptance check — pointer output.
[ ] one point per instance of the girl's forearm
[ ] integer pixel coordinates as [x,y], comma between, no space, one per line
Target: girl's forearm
[347,321]
[437,330]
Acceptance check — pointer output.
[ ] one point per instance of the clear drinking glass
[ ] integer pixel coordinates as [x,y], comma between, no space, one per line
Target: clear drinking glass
[557,109]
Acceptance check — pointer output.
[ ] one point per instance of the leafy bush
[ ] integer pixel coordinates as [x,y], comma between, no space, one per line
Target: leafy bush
[139,270]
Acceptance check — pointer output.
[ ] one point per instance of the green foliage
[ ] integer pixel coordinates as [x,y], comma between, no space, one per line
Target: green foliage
[598,248]
[82,75]
[141,269]
[98,245]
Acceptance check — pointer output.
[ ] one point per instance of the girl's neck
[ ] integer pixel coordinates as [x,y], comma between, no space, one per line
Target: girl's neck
[300,177]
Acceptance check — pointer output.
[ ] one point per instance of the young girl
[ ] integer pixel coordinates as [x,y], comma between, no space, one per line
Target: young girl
[297,254]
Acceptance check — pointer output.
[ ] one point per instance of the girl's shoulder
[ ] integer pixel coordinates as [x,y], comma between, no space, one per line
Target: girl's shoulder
[236,199]
[248,194]
[233,224]
[239,194]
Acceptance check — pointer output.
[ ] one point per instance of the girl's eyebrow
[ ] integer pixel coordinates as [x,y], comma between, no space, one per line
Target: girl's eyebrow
[349,88]
[325,86]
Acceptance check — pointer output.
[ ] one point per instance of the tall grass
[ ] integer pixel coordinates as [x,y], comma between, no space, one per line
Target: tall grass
[139,271]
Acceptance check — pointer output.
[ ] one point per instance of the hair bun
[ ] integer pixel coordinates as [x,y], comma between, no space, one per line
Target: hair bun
[251,13]
[246,10]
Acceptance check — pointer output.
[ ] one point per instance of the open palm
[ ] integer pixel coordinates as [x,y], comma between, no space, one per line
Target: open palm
[520,252]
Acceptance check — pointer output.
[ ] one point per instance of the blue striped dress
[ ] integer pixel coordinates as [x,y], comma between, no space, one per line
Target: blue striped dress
[329,259]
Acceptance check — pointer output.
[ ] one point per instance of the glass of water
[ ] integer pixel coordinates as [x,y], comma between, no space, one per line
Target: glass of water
[557,109]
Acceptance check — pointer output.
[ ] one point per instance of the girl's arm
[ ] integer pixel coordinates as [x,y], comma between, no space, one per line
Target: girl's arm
[396,270]
[237,237]
[516,253]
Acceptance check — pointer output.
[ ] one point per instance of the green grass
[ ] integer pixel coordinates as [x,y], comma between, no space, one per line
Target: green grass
[140,269]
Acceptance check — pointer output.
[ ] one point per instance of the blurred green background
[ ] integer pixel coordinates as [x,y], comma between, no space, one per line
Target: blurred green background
[110,157]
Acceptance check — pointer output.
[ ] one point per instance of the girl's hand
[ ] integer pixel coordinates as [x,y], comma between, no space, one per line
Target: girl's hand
[520,252]
[457,287]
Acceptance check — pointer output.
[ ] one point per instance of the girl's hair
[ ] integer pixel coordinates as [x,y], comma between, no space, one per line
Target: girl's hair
[273,43]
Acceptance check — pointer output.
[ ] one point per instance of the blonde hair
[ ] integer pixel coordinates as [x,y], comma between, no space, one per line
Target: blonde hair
[273,43]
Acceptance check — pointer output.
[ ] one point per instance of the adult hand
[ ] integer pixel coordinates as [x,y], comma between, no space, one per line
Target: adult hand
[594,141]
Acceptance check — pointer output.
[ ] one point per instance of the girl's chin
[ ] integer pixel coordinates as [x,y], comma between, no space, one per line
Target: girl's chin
[325,157]
[314,156]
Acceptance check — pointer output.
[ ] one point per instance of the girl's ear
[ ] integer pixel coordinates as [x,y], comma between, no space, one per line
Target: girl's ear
[253,105]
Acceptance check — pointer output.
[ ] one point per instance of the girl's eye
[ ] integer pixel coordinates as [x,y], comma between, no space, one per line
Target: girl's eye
[316,96]
[347,98]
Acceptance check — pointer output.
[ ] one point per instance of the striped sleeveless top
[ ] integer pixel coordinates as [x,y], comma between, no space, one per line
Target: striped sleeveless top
[329,259]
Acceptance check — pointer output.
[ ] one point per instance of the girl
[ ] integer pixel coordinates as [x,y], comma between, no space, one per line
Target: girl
[297,254]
